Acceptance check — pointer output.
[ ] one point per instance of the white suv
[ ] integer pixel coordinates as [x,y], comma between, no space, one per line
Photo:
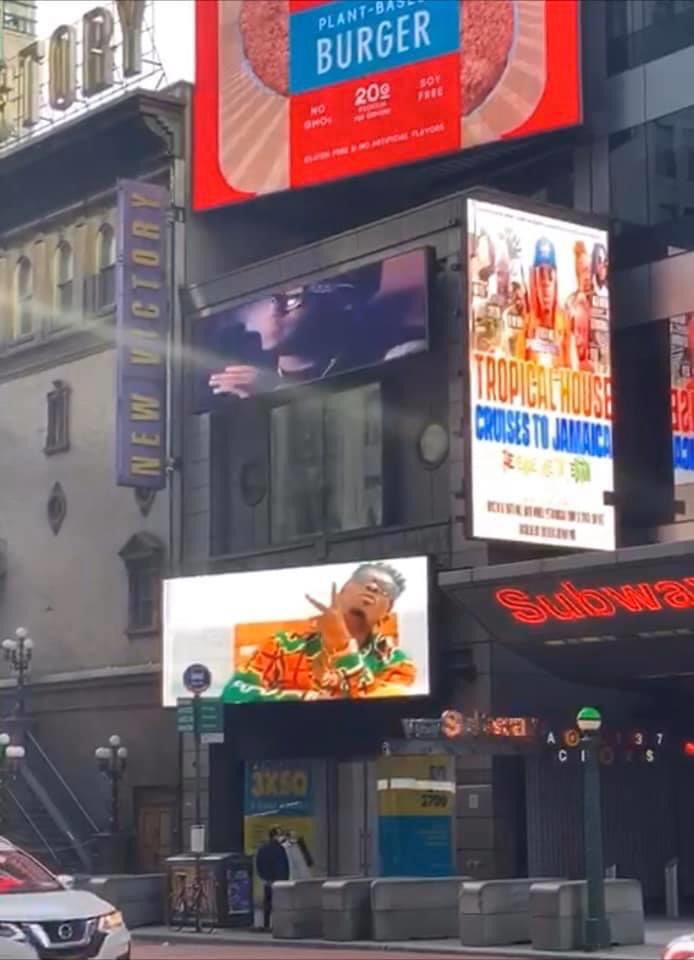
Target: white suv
[41,918]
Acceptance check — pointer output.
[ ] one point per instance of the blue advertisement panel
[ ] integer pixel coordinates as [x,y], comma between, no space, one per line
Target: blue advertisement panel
[416,807]
[142,323]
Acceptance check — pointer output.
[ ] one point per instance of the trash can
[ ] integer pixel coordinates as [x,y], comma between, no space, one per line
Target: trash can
[227,883]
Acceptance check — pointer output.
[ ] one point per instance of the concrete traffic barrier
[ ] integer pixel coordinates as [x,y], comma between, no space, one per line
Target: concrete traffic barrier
[421,908]
[297,909]
[347,909]
[558,909]
[495,912]
[141,898]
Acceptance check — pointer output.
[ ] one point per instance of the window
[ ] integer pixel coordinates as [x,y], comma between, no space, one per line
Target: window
[58,418]
[24,293]
[641,31]
[143,556]
[106,268]
[665,162]
[64,277]
[327,464]
[657,216]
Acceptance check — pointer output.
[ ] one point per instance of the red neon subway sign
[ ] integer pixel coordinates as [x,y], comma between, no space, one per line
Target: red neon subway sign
[571,603]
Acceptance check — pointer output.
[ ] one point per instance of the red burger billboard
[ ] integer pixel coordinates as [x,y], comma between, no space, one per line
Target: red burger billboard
[291,93]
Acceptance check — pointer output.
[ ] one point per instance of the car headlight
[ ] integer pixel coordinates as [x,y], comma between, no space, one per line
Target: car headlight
[111,921]
[10,931]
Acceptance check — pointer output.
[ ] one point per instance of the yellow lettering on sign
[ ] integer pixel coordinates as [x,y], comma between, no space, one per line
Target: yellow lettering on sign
[130,14]
[145,230]
[145,358]
[144,408]
[146,334]
[146,311]
[145,439]
[146,258]
[29,83]
[145,466]
[97,51]
[144,282]
[257,784]
[62,80]
[140,200]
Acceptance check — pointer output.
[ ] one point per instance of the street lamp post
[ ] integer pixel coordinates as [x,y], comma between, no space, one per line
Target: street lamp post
[18,651]
[597,928]
[11,756]
[112,761]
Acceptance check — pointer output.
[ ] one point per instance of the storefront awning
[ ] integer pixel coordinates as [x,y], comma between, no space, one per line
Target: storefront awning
[624,616]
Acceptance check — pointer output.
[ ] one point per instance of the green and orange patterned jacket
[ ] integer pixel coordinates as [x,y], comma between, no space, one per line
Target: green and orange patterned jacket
[291,666]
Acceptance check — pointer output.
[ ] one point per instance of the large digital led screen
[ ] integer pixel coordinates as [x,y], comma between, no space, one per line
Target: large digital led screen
[682,395]
[291,93]
[347,631]
[540,432]
[313,330]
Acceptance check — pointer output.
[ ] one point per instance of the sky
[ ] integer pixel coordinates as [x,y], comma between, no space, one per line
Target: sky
[173,23]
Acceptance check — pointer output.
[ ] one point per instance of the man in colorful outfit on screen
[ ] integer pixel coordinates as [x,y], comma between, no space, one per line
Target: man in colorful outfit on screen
[343,654]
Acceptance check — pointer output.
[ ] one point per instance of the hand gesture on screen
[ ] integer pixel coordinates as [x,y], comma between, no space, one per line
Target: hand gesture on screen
[242,381]
[331,624]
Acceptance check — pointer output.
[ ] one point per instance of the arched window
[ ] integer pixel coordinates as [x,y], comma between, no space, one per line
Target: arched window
[143,556]
[64,276]
[106,267]
[24,295]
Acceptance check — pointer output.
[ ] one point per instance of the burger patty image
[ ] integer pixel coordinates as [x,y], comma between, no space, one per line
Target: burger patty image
[265,34]
[486,39]
[486,36]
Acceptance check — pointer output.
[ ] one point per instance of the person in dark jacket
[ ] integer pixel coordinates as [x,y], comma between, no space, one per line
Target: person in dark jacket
[272,865]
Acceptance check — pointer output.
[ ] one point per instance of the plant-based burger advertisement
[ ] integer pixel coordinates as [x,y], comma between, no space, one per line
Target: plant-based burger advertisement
[539,379]
[297,92]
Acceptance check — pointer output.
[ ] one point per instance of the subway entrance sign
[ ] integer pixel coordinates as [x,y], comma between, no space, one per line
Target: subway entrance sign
[606,618]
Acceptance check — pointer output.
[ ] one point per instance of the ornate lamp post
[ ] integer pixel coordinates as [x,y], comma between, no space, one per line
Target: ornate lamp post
[18,651]
[597,928]
[112,761]
[11,756]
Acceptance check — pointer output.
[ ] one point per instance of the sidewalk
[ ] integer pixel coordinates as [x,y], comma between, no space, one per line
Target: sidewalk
[659,932]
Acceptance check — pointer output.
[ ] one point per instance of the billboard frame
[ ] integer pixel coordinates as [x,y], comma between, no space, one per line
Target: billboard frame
[210,190]
[207,313]
[434,660]
[542,209]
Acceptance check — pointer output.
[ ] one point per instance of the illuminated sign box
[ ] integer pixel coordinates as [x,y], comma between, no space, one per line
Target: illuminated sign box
[349,631]
[539,379]
[297,92]
[682,396]
[313,330]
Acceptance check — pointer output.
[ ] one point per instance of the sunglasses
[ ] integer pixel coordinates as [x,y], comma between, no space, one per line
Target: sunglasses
[381,587]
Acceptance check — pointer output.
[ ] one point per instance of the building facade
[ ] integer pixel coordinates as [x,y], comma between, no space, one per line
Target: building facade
[270,485]
[83,557]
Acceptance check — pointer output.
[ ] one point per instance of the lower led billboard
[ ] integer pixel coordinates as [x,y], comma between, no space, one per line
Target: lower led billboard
[313,330]
[682,394]
[348,631]
[290,93]
[539,379]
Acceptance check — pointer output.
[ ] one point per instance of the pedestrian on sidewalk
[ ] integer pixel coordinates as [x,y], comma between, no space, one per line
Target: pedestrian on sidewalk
[272,865]
[300,860]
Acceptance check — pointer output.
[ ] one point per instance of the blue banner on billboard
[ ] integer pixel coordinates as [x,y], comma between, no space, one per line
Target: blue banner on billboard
[142,323]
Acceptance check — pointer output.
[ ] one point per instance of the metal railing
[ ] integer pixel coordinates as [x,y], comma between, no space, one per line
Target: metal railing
[37,758]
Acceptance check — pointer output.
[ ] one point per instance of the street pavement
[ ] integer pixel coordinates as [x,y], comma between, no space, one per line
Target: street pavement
[229,951]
